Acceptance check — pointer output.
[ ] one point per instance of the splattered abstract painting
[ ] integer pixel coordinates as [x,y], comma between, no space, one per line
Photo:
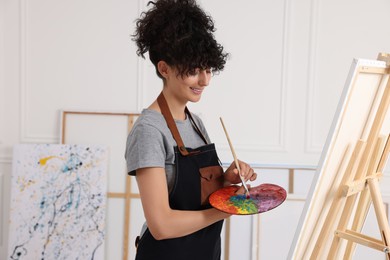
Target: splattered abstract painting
[58,200]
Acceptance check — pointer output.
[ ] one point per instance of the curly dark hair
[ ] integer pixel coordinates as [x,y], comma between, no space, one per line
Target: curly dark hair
[180,33]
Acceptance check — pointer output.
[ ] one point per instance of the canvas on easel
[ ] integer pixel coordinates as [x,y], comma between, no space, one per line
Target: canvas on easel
[350,167]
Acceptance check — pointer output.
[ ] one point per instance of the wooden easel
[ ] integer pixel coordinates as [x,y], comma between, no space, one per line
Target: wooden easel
[359,187]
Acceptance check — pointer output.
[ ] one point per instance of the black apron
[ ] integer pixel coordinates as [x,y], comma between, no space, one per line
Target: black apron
[198,173]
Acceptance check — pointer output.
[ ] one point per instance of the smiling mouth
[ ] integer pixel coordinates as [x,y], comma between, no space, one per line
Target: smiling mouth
[196,90]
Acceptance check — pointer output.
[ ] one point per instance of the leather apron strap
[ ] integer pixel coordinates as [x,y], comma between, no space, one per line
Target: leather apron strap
[166,112]
[171,123]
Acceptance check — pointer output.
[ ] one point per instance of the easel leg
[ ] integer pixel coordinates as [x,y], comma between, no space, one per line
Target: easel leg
[365,200]
[348,206]
[358,222]
[380,211]
[347,212]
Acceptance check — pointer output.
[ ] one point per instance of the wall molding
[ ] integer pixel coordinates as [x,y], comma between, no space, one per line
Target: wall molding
[286,48]
[5,155]
[2,70]
[25,135]
[256,224]
[5,160]
[312,84]
[3,212]
[280,145]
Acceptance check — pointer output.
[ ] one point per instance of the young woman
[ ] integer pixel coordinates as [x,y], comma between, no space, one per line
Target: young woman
[168,149]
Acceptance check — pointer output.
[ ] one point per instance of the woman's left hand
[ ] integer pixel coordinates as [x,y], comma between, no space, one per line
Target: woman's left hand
[247,173]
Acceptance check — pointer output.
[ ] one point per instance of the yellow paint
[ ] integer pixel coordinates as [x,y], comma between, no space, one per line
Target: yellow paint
[43,161]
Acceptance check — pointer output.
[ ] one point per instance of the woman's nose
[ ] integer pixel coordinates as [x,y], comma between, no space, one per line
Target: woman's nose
[204,78]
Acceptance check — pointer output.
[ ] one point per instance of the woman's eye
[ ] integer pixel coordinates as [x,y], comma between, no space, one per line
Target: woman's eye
[194,72]
[197,71]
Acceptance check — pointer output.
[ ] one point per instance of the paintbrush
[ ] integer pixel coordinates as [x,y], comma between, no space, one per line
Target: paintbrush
[235,160]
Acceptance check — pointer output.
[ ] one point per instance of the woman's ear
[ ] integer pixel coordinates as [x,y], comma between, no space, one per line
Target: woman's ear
[163,68]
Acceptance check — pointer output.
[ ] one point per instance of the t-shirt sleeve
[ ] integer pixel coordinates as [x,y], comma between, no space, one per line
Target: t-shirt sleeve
[144,148]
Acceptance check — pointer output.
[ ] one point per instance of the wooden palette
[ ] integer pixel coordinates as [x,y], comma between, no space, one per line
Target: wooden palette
[262,198]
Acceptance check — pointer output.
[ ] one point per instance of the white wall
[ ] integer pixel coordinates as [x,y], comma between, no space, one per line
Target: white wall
[2,63]
[2,161]
[277,95]
[5,160]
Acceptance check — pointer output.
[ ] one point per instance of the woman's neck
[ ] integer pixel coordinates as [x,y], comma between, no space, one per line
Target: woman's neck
[176,107]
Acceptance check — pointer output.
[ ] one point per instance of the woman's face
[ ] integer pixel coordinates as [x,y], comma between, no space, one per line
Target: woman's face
[188,87]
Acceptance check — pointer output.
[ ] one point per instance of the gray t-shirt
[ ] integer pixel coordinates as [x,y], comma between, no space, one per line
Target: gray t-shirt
[151,144]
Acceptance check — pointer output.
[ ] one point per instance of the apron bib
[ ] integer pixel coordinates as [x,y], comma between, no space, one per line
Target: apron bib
[198,174]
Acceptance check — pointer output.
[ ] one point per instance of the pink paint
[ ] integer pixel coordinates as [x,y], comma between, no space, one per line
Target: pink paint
[260,199]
